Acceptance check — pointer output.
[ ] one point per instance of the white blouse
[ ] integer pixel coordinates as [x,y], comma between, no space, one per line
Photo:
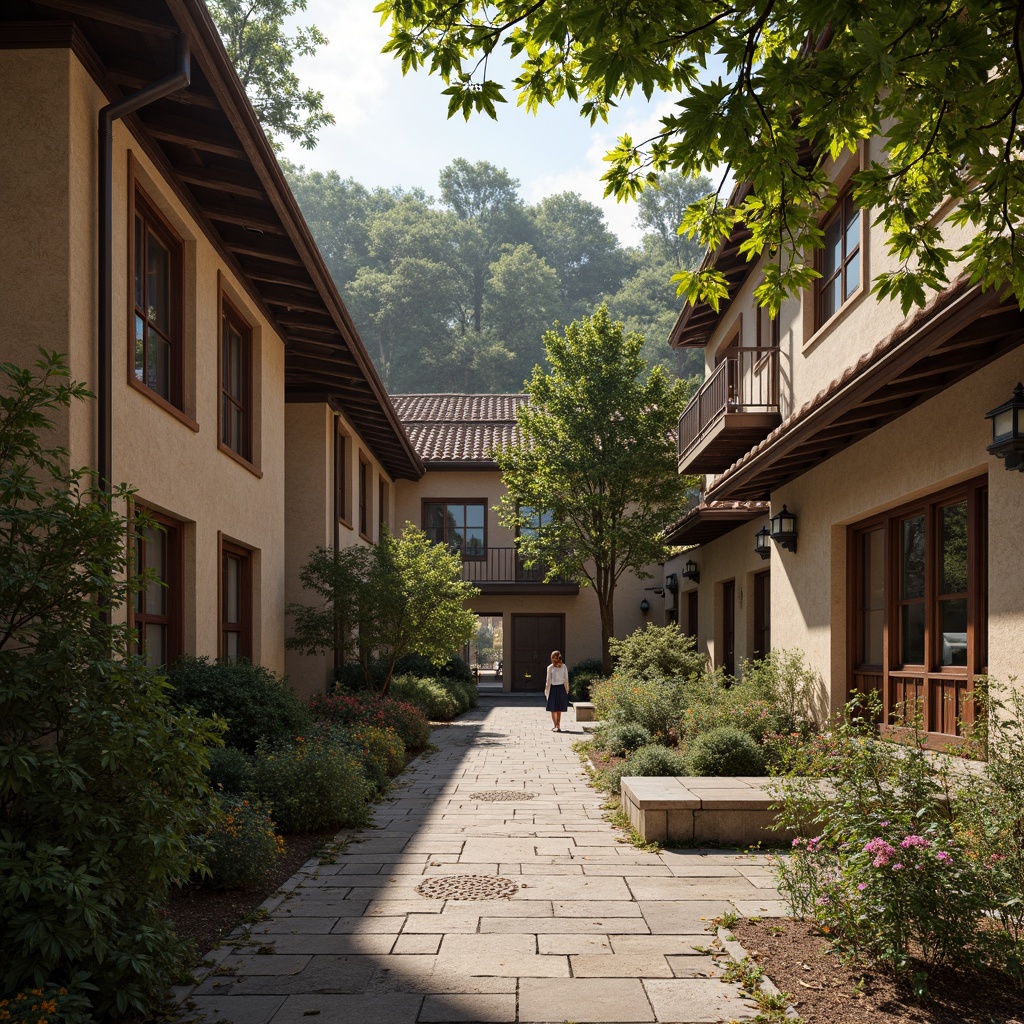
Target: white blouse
[558,675]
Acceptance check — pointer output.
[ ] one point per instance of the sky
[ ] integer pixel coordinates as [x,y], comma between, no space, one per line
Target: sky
[394,131]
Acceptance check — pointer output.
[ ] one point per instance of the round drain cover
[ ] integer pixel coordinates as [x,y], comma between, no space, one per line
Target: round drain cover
[499,795]
[467,887]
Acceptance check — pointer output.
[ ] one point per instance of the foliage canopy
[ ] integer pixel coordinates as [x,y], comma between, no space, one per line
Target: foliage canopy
[801,81]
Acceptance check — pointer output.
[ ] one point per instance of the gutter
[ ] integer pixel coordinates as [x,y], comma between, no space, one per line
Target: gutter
[179,79]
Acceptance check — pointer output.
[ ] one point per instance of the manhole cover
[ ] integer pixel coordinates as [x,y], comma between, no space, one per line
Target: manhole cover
[467,887]
[498,795]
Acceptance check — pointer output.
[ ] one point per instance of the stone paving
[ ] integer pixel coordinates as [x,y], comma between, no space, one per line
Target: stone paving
[596,931]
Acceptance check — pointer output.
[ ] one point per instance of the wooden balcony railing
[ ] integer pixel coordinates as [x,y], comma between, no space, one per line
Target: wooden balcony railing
[746,381]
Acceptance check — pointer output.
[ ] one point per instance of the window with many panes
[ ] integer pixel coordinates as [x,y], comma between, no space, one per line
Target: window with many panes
[918,607]
[341,464]
[156,290]
[157,612]
[762,614]
[235,601]
[840,259]
[459,525]
[235,382]
[364,497]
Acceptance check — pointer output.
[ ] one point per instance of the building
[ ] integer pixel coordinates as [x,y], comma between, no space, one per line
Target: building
[900,569]
[454,502]
[150,236]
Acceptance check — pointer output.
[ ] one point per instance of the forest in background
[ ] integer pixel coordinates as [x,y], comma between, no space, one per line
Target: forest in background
[453,293]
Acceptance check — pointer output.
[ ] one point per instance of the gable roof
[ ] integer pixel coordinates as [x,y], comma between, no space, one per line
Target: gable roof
[212,152]
[459,431]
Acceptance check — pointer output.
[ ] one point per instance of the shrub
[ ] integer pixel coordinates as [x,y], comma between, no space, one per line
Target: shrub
[621,739]
[656,704]
[795,691]
[582,675]
[352,676]
[383,754]
[367,708]
[657,652]
[650,760]
[725,751]
[241,847]
[101,778]
[229,769]
[437,703]
[313,783]
[45,1005]
[886,876]
[255,702]
[464,692]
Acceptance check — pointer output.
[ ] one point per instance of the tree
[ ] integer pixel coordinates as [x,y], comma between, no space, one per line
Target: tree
[661,209]
[253,34]
[102,783]
[405,595]
[942,82]
[593,479]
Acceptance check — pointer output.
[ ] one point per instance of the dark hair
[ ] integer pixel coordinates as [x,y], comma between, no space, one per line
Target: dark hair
[553,653]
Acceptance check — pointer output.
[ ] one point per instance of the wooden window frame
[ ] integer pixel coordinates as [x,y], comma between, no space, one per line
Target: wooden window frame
[231,316]
[142,207]
[762,643]
[728,627]
[382,505]
[840,211]
[243,628]
[424,502]
[692,613]
[931,685]
[342,483]
[173,619]
[364,498]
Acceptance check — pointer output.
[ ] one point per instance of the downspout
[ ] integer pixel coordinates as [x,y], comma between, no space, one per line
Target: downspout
[112,112]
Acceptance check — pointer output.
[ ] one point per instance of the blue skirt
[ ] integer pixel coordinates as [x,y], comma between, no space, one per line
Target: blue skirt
[558,699]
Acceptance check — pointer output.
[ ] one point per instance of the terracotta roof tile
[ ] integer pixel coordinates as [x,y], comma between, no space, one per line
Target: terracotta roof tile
[458,428]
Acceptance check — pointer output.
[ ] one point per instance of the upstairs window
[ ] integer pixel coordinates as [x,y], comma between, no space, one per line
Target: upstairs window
[156,343]
[235,382]
[459,525]
[840,259]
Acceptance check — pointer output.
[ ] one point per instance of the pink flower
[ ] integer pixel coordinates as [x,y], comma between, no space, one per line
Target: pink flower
[881,849]
[919,841]
[897,867]
[862,886]
[943,857]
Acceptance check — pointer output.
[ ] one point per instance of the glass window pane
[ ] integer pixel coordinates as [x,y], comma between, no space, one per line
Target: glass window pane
[852,239]
[872,597]
[456,515]
[953,554]
[832,256]
[475,515]
[232,589]
[156,562]
[158,283]
[474,542]
[155,644]
[232,645]
[234,377]
[953,628]
[140,349]
[852,281]
[830,299]
[236,429]
[139,255]
[912,569]
[434,518]
[456,541]
[912,638]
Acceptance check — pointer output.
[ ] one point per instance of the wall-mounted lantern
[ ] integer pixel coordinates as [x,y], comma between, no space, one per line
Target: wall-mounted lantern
[690,571]
[762,542]
[784,529]
[645,606]
[672,582]
[1008,430]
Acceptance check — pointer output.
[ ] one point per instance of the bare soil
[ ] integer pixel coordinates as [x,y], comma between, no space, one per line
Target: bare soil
[824,990]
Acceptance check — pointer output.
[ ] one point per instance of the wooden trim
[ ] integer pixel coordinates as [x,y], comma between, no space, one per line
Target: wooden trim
[175,554]
[228,312]
[240,459]
[762,614]
[342,474]
[245,556]
[363,498]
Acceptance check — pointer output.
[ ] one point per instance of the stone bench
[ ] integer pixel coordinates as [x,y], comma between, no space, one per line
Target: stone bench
[731,811]
[584,710]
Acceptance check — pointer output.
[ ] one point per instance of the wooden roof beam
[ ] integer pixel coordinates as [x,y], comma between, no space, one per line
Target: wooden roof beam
[97,12]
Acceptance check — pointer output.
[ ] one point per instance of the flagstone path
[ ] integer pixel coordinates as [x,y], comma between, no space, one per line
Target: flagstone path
[595,930]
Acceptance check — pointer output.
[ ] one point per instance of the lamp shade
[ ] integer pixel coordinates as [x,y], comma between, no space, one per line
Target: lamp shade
[762,542]
[690,571]
[1008,430]
[784,529]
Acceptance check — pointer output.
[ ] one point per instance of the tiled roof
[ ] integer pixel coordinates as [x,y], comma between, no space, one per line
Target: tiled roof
[458,428]
[711,520]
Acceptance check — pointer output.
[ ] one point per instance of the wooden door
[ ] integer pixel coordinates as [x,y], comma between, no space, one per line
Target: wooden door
[534,637]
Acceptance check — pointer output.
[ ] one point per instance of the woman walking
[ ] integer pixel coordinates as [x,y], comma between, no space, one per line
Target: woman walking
[556,690]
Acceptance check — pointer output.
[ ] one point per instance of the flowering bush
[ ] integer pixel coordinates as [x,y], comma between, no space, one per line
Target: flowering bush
[368,709]
[241,847]
[47,1005]
[314,782]
[437,702]
[382,752]
[654,704]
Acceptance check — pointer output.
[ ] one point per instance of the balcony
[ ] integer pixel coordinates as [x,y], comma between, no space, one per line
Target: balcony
[737,406]
[500,571]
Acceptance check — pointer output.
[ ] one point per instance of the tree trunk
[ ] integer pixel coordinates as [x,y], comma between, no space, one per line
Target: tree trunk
[606,604]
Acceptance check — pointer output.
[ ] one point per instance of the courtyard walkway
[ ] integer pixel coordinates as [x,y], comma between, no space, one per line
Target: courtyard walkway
[567,923]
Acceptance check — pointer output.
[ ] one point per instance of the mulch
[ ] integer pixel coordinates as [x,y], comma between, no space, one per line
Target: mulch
[824,990]
[206,916]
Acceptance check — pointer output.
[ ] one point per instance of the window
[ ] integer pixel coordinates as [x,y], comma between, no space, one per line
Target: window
[531,522]
[382,505]
[235,601]
[691,613]
[728,659]
[235,382]
[341,484]
[364,497]
[457,524]
[917,607]
[762,614]
[840,264]
[157,614]
[156,343]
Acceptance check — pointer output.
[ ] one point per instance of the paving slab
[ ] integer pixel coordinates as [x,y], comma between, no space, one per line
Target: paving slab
[698,1000]
[584,1000]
